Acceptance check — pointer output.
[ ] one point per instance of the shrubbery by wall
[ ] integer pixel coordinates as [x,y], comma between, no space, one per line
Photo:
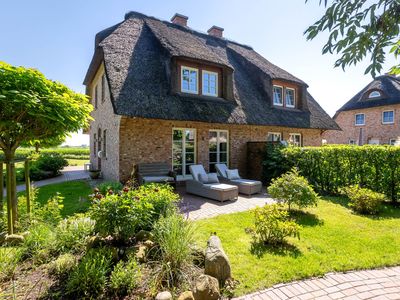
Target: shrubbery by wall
[330,168]
[68,153]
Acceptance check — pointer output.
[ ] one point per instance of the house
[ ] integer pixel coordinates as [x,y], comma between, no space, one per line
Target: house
[370,117]
[162,91]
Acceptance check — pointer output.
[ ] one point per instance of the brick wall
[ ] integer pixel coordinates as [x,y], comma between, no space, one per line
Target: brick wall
[373,128]
[150,140]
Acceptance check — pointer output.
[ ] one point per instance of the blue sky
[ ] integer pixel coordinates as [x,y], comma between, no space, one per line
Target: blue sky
[57,37]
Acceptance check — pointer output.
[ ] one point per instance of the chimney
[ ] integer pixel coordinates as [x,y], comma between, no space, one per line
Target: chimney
[215,31]
[179,19]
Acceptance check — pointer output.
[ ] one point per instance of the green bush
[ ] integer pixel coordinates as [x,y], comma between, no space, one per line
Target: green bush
[363,200]
[50,164]
[329,168]
[291,188]
[124,278]
[66,152]
[39,243]
[9,258]
[49,213]
[63,265]
[72,233]
[114,186]
[272,225]
[121,216]
[274,163]
[174,237]
[88,280]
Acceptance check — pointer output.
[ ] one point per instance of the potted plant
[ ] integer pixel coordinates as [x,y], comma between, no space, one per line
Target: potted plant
[94,173]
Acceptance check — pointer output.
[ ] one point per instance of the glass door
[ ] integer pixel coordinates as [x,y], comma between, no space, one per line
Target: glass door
[183,150]
[218,148]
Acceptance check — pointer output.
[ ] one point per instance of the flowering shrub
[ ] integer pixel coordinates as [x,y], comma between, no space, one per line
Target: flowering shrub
[291,188]
[272,225]
[362,200]
[122,215]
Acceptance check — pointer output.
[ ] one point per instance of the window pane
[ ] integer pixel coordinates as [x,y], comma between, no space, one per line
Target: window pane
[189,80]
[360,119]
[178,169]
[212,168]
[223,157]
[223,147]
[177,135]
[209,84]
[190,158]
[277,95]
[289,97]
[190,135]
[213,157]
[388,117]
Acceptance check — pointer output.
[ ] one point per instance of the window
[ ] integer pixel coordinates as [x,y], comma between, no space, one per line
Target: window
[392,142]
[274,137]
[374,94]
[278,95]
[352,142]
[388,117]
[218,148]
[289,97]
[189,80]
[210,83]
[295,139]
[105,143]
[103,88]
[183,150]
[96,96]
[94,145]
[373,142]
[360,119]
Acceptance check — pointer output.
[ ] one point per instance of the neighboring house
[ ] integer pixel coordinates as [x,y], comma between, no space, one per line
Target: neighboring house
[370,117]
[164,92]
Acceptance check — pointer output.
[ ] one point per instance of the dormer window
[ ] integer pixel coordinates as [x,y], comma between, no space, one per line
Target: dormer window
[289,97]
[210,83]
[278,99]
[189,80]
[374,94]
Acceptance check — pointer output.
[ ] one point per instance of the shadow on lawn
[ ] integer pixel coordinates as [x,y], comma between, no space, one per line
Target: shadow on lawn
[259,249]
[305,218]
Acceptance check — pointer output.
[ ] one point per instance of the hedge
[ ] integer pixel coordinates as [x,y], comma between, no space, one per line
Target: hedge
[330,168]
[68,153]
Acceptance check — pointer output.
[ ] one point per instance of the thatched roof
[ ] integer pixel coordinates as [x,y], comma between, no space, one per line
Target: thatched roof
[137,55]
[387,85]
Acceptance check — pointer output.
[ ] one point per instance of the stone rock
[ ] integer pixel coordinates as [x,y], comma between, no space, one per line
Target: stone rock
[164,296]
[148,244]
[216,262]
[188,295]
[143,235]
[141,254]
[206,288]
[14,239]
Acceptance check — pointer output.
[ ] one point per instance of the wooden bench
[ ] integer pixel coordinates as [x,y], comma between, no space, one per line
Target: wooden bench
[156,172]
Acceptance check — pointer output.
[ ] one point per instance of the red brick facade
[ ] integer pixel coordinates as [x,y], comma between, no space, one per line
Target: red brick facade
[373,131]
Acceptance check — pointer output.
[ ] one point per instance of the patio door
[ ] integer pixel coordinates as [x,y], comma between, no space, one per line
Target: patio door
[218,148]
[183,150]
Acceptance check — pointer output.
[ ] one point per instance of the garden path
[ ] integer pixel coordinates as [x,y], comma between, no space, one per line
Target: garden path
[368,284]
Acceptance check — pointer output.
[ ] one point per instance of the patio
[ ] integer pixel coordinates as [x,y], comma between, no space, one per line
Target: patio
[196,207]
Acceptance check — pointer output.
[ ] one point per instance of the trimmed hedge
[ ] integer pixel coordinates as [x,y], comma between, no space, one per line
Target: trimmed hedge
[68,153]
[330,168]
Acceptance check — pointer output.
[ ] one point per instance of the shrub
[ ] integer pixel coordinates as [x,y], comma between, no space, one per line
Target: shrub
[63,265]
[272,225]
[114,186]
[174,236]
[121,216]
[291,188]
[363,200]
[9,258]
[39,243]
[72,233]
[274,163]
[89,278]
[49,213]
[125,276]
[329,168]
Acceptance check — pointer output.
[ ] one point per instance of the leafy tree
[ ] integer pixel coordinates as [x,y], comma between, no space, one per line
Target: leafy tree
[35,110]
[358,29]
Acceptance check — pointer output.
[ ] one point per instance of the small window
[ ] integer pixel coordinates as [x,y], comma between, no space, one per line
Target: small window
[374,94]
[103,88]
[274,137]
[210,83]
[189,80]
[94,144]
[360,119]
[278,95]
[295,139]
[289,97]
[388,117]
[373,142]
[96,96]
[105,143]
[352,142]
[392,142]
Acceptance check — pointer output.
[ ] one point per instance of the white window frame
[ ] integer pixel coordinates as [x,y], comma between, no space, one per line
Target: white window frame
[184,175]
[275,133]
[379,94]
[273,95]
[197,80]
[296,134]
[216,83]
[383,119]
[355,119]
[218,150]
[294,97]
[394,142]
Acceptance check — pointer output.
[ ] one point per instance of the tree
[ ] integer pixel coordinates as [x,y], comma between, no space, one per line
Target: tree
[358,29]
[35,110]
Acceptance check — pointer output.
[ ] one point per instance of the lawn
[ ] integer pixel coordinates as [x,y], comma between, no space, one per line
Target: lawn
[75,195]
[332,239]
[77,162]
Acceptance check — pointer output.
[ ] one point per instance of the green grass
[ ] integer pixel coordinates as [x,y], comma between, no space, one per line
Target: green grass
[75,195]
[332,239]
[77,162]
